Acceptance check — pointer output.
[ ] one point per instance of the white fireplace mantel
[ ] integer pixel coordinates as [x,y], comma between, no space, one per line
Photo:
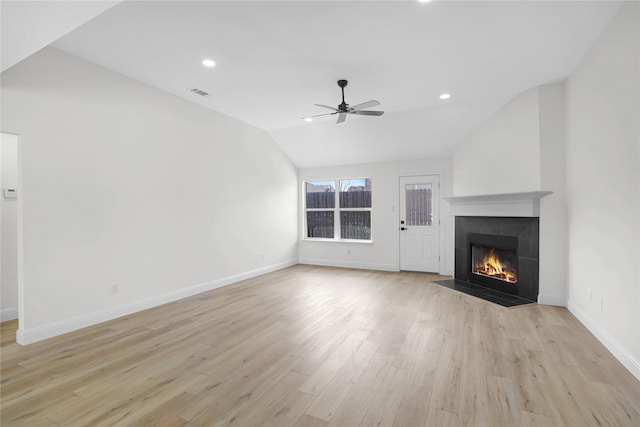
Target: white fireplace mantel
[507,204]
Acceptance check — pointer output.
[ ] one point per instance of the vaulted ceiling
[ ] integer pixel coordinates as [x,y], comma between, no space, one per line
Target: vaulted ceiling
[276,59]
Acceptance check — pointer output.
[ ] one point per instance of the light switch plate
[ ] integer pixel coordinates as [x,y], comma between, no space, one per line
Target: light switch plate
[10,193]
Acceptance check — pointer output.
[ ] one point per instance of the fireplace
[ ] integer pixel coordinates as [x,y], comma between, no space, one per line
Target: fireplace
[499,253]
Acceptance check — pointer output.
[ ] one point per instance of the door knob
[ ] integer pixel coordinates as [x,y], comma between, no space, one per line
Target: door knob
[403,228]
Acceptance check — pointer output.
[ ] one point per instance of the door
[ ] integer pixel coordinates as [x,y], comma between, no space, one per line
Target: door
[419,223]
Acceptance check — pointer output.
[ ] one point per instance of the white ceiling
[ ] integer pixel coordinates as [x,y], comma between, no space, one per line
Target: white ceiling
[275,59]
[28,26]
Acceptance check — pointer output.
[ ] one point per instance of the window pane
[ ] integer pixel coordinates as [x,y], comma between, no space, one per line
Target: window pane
[320,224]
[355,193]
[355,225]
[321,194]
[418,205]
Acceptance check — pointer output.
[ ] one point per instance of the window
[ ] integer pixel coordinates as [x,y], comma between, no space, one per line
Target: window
[321,202]
[419,201]
[344,214]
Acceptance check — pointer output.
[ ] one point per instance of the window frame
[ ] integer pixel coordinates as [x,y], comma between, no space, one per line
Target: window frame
[337,225]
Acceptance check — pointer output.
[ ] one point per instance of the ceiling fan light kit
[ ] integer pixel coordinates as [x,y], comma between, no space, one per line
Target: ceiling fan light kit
[344,108]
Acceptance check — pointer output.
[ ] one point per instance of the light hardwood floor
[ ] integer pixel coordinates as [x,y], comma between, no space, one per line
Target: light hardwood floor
[316,346]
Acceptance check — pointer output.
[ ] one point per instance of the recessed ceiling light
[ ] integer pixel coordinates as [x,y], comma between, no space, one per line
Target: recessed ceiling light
[308,119]
[209,63]
[445,96]
[424,1]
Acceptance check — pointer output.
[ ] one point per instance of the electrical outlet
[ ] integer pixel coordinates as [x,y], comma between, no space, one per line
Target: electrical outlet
[348,251]
[115,289]
[589,295]
[262,257]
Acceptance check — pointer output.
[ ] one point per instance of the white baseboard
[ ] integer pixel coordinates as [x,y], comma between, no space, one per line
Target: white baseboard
[348,264]
[8,314]
[608,341]
[447,272]
[40,333]
[558,300]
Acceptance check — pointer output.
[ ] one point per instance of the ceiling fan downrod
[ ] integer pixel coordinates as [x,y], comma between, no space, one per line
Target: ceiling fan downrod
[344,105]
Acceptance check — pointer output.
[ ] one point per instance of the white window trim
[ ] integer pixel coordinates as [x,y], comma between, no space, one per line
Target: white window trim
[336,213]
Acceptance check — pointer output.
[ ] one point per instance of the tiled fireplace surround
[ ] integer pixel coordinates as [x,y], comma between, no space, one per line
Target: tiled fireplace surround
[513,217]
[523,230]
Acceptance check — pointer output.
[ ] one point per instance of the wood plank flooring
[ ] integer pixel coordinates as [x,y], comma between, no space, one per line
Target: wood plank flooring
[316,347]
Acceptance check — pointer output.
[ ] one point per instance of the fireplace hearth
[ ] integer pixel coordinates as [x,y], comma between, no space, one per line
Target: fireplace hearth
[498,253]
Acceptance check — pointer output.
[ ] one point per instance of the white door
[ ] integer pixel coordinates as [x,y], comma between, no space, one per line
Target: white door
[419,223]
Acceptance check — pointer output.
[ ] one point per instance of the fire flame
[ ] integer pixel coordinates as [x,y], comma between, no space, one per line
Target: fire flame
[493,267]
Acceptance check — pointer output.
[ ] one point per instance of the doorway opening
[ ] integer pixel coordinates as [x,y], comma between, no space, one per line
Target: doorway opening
[9,195]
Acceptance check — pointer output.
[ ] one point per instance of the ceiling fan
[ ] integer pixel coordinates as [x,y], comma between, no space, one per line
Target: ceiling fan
[344,108]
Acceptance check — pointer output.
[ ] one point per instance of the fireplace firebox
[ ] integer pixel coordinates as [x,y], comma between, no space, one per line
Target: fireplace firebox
[495,263]
[499,253]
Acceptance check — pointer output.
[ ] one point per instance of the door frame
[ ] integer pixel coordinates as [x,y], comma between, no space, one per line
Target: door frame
[19,229]
[441,223]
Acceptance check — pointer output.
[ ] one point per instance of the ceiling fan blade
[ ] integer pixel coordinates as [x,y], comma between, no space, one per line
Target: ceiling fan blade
[327,114]
[368,113]
[326,106]
[367,104]
[341,118]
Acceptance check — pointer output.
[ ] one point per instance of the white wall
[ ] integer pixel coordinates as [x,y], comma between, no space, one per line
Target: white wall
[603,186]
[383,253]
[503,154]
[9,228]
[124,184]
